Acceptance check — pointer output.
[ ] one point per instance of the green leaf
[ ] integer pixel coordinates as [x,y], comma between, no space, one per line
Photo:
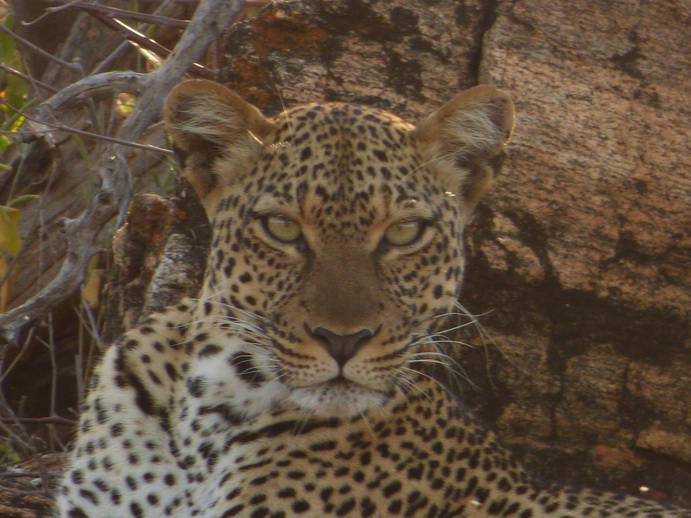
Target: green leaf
[20,201]
[81,148]
[8,46]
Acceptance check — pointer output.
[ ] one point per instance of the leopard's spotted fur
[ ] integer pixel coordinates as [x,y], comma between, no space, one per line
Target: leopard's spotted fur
[293,385]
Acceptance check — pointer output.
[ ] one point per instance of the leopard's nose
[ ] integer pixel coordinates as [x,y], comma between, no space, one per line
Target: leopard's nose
[342,347]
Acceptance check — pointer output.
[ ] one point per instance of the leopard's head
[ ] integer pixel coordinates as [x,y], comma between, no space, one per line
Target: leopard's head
[337,234]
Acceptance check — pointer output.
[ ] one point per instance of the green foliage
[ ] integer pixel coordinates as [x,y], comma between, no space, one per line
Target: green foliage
[81,149]
[8,456]
[14,89]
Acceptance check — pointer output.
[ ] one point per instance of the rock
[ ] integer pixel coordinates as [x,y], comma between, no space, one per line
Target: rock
[399,56]
[589,226]
[581,252]
[160,255]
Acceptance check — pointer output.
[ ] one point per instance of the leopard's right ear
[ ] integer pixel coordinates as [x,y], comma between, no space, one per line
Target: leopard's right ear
[215,135]
[463,141]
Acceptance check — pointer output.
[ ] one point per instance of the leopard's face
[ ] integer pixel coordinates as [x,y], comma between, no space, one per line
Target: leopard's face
[344,248]
[337,241]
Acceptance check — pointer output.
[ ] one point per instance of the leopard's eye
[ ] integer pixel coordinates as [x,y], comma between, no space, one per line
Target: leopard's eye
[282,229]
[403,233]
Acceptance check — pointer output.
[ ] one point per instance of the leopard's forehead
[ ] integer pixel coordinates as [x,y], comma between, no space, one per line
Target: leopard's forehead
[342,147]
[340,164]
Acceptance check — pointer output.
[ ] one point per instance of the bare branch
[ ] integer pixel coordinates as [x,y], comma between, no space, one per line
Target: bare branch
[27,78]
[80,233]
[68,129]
[64,7]
[16,434]
[93,86]
[19,474]
[147,43]
[163,4]
[39,420]
[209,21]
[132,35]
[45,116]
[114,12]
[38,50]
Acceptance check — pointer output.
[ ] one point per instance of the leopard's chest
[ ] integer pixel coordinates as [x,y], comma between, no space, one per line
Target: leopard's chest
[329,466]
[286,461]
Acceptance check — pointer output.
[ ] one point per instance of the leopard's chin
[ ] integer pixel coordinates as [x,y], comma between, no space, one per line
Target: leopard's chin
[337,398]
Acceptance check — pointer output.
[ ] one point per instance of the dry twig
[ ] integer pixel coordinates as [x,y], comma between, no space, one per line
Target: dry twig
[210,19]
[38,50]
[26,77]
[54,126]
[114,12]
[147,43]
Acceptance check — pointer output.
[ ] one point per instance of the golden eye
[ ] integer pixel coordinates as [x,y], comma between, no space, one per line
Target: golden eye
[404,233]
[283,229]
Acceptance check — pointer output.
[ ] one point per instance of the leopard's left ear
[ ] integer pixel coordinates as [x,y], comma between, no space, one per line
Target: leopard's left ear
[216,135]
[463,141]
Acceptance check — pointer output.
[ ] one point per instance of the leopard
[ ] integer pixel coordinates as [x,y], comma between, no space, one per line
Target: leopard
[297,382]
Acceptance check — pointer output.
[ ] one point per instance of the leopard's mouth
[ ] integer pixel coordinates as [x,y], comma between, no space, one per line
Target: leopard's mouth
[324,387]
[338,397]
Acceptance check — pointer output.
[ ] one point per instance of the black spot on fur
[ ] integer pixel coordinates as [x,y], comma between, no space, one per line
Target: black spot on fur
[242,363]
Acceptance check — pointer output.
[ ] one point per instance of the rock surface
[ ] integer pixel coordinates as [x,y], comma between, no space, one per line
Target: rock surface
[581,252]
[589,227]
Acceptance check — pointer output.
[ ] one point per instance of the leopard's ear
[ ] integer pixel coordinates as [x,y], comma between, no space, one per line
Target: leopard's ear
[463,141]
[215,134]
